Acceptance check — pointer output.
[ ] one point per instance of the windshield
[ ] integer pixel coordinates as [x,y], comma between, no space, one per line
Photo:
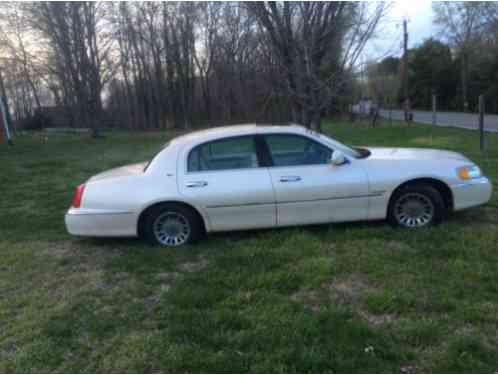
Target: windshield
[347,150]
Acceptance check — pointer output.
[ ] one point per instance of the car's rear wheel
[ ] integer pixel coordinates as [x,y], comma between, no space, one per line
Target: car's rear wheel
[416,206]
[171,225]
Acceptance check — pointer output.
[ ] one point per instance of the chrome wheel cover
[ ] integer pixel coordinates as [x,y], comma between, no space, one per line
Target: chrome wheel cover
[171,229]
[414,210]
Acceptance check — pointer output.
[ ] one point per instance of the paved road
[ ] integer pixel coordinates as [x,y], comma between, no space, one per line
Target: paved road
[453,119]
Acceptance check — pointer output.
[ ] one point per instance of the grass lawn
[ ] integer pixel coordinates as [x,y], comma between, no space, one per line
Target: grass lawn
[356,297]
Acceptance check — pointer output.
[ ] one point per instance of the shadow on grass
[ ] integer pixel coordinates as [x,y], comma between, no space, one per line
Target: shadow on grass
[313,229]
[487,215]
[481,215]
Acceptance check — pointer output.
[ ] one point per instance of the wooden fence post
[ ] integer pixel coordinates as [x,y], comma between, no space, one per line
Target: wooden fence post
[481,122]
[434,109]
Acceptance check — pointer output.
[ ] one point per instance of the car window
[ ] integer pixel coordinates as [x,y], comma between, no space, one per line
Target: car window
[230,153]
[287,150]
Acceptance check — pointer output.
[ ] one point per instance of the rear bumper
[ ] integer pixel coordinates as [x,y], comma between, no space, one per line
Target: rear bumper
[101,223]
[471,193]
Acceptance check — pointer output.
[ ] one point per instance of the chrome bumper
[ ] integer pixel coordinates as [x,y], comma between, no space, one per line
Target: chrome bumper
[471,193]
[101,223]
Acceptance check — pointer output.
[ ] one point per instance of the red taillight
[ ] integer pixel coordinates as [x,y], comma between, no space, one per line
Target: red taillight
[78,194]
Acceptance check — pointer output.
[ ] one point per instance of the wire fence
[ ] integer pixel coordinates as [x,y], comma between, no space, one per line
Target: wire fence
[478,121]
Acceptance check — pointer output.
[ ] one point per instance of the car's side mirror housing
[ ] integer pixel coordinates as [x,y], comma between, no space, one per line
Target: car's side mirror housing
[337,158]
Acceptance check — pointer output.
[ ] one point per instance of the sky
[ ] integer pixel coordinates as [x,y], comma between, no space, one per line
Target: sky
[390,34]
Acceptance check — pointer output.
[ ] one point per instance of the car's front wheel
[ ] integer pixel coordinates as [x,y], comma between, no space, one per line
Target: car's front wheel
[416,206]
[171,225]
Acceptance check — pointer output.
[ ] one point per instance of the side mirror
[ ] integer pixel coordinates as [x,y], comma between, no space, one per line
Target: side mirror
[337,158]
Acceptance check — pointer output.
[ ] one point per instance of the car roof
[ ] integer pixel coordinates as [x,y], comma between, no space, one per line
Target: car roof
[164,161]
[236,130]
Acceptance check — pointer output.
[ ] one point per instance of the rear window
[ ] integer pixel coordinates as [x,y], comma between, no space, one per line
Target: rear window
[230,153]
[162,148]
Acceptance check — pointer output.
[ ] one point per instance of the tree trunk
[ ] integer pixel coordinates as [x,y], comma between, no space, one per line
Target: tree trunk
[3,93]
[316,122]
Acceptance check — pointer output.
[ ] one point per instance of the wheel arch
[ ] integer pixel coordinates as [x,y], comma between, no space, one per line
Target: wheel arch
[203,220]
[437,184]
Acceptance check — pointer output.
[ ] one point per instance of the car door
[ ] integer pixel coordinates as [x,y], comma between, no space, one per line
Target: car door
[224,177]
[308,188]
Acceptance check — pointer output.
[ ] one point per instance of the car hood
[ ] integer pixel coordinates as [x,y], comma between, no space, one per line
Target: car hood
[414,154]
[127,170]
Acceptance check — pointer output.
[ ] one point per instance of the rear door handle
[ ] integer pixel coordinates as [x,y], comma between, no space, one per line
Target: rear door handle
[196,184]
[290,178]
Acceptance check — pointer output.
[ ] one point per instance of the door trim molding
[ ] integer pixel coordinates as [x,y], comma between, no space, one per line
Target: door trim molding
[298,201]
[333,198]
[240,205]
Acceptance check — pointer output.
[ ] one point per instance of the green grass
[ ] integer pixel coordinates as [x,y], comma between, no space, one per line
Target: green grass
[356,297]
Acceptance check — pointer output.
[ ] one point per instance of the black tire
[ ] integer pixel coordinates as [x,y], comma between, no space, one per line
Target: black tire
[153,214]
[424,190]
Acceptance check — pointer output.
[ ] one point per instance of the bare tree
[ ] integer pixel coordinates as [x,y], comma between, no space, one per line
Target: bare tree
[383,87]
[206,51]
[462,24]
[155,65]
[315,43]
[20,58]
[80,49]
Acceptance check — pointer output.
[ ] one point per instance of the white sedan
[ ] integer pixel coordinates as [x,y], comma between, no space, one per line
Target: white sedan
[251,176]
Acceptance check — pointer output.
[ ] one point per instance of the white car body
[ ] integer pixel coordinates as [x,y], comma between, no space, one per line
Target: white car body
[267,196]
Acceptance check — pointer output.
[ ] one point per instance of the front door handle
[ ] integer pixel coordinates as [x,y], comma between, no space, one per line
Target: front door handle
[290,178]
[196,184]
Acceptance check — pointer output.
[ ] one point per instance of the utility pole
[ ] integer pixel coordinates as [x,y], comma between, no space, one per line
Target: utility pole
[406,103]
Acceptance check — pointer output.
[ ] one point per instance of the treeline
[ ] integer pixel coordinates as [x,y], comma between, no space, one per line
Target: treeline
[457,66]
[151,65]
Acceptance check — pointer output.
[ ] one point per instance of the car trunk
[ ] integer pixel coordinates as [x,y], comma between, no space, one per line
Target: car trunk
[127,170]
